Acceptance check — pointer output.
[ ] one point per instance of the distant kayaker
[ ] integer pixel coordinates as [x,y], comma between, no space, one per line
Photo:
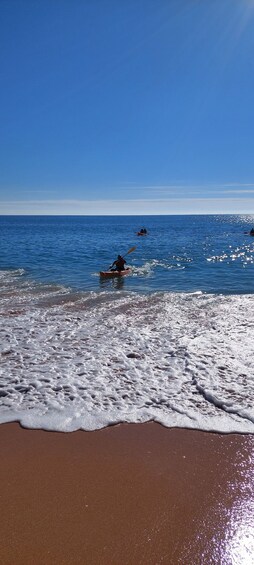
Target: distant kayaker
[252,231]
[118,264]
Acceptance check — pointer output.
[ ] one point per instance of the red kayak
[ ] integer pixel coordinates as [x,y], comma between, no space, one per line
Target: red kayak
[141,233]
[108,274]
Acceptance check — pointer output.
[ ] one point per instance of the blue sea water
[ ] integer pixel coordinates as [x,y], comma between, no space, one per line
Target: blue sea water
[180,253]
[172,342]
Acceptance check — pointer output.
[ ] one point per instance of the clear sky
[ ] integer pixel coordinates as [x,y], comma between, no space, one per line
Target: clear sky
[126,106]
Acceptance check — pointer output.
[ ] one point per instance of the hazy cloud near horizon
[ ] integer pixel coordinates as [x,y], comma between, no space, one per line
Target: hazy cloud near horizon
[149,206]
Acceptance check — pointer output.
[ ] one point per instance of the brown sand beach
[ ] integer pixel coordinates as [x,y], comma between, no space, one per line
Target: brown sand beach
[129,494]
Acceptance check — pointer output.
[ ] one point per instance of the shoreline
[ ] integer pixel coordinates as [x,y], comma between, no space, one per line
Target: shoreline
[128,494]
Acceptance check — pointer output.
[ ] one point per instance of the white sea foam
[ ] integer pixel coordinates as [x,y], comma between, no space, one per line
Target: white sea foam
[84,361]
[148,268]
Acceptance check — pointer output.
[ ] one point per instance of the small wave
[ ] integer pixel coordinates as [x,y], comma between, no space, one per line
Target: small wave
[144,270]
[149,267]
[11,273]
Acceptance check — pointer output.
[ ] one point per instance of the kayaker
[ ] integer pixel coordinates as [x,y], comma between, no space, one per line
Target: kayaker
[252,231]
[118,264]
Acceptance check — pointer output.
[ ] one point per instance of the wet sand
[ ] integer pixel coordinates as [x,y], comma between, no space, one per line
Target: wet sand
[125,495]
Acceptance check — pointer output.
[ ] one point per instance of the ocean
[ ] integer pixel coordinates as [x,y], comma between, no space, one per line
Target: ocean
[172,342]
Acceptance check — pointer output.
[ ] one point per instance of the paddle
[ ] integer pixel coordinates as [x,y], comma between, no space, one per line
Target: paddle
[128,252]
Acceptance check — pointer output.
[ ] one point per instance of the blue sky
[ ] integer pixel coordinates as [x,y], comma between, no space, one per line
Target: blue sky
[126,106]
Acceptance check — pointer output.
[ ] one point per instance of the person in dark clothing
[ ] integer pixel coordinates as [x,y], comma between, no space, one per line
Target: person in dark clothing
[118,264]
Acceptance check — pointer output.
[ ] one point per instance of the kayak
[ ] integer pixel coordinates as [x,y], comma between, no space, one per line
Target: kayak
[140,233]
[108,274]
